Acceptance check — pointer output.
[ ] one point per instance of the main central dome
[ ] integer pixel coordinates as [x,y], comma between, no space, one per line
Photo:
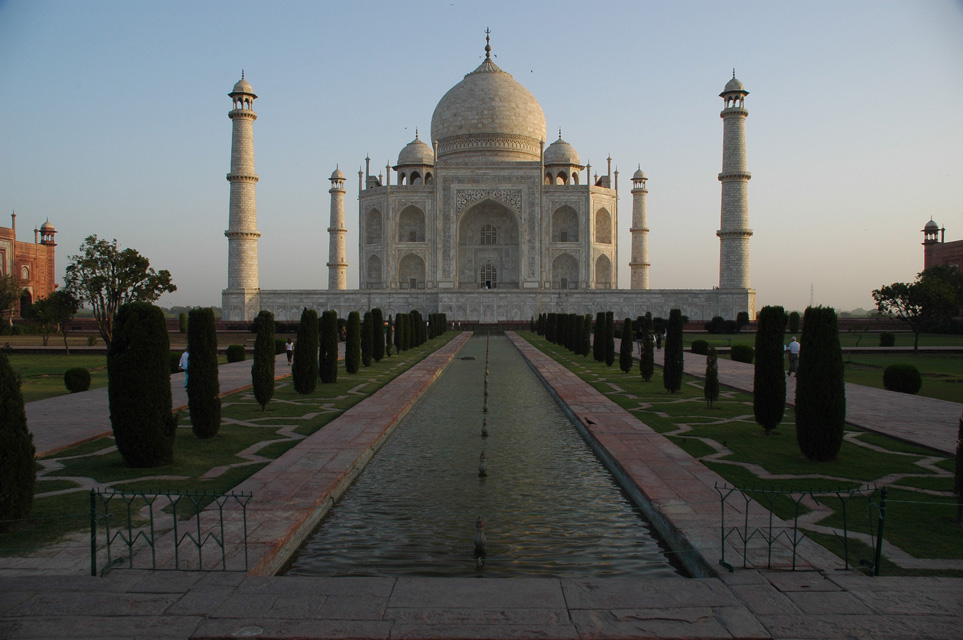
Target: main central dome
[488,115]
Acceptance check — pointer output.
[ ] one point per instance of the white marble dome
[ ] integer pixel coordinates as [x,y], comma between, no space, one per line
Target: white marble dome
[416,152]
[489,114]
[561,152]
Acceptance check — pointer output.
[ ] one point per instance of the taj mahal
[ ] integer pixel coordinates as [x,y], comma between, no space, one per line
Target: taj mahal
[488,223]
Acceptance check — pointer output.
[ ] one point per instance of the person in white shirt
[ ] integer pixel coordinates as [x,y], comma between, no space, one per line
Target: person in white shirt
[793,356]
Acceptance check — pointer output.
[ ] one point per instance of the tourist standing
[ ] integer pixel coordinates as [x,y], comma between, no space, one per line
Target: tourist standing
[793,356]
[289,350]
[182,365]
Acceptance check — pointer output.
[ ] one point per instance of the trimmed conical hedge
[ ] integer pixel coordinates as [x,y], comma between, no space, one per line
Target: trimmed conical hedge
[352,343]
[769,375]
[820,390]
[304,367]
[262,371]
[203,387]
[139,386]
[377,334]
[18,472]
[674,358]
[328,356]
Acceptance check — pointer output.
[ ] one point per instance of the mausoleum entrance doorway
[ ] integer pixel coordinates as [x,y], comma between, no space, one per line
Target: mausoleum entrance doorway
[488,247]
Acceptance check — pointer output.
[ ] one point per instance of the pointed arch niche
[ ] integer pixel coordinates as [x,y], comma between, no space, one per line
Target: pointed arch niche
[565,272]
[488,235]
[603,273]
[411,272]
[373,228]
[411,225]
[565,225]
[603,226]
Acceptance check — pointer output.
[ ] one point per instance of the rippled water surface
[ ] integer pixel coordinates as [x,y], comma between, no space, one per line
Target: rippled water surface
[549,506]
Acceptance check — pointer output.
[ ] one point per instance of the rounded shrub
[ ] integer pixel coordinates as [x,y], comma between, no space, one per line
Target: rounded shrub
[904,378]
[701,347]
[77,379]
[887,339]
[236,353]
[742,353]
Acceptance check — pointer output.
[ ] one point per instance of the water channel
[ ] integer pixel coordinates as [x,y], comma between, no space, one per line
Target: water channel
[549,506]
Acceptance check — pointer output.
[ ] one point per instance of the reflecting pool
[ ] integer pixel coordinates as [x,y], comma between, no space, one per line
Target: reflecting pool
[549,506]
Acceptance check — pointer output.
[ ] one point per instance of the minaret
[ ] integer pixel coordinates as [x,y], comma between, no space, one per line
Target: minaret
[337,254]
[734,232]
[242,233]
[640,233]
[931,237]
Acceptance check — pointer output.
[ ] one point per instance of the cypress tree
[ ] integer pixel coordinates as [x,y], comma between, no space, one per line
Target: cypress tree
[389,336]
[625,346]
[399,333]
[674,358]
[377,334]
[647,358]
[958,475]
[598,338]
[367,339]
[820,391]
[550,327]
[203,388]
[352,343]
[417,328]
[18,472]
[711,389]
[609,338]
[769,379]
[328,353]
[794,322]
[262,371]
[577,334]
[139,386]
[405,331]
[304,367]
[586,334]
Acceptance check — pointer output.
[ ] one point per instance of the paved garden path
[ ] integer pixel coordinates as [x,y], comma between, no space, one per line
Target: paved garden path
[63,421]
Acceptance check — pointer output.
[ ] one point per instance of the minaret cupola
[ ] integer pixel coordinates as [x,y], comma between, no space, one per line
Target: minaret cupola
[561,163]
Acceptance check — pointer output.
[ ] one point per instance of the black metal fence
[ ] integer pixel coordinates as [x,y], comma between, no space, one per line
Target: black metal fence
[169,530]
[754,526]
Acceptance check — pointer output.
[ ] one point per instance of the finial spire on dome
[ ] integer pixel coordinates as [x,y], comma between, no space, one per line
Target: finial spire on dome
[560,133]
[488,47]
[242,74]
[733,72]
[416,133]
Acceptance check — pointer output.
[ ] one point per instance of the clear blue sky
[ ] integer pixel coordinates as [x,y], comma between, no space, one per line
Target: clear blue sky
[113,121]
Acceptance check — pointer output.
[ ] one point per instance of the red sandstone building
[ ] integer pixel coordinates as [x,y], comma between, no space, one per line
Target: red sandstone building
[32,262]
[939,253]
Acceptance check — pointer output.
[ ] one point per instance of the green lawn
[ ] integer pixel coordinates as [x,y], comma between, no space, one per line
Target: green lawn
[244,425]
[922,507]
[942,374]
[42,376]
[846,339]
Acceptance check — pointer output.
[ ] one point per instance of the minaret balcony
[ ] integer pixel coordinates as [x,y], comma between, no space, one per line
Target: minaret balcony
[242,177]
[735,175]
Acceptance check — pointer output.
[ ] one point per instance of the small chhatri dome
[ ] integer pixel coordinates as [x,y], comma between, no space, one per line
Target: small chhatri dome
[734,86]
[46,227]
[337,175]
[561,152]
[638,175]
[416,152]
[243,86]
